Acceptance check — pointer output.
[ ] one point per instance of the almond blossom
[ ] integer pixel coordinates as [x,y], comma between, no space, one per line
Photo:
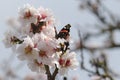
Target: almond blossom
[67,61]
[46,15]
[36,66]
[49,31]
[27,50]
[37,42]
[27,14]
[11,39]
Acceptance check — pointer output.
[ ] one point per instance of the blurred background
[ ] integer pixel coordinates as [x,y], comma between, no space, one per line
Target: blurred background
[97,22]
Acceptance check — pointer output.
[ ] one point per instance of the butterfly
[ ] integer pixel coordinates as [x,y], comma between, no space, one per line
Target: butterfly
[16,40]
[64,32]
[36,28]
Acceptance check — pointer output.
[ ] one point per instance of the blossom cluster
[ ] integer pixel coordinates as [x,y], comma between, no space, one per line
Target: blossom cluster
[34,39]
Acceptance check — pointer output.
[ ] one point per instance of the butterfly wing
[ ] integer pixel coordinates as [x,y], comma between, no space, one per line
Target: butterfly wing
[40,24]
[64,33]
[36,28]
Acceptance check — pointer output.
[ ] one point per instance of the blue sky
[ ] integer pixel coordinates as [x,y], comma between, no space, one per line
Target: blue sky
[65,11]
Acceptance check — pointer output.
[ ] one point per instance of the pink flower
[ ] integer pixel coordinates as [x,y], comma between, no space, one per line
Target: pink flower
[36,66]
[27,15]
[67,61]
[46,15]
[27,50]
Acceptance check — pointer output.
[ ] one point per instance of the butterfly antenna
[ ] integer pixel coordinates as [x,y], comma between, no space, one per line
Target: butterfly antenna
[55,31]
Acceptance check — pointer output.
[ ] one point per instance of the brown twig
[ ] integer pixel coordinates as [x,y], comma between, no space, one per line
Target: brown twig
[49,76]
[55,73]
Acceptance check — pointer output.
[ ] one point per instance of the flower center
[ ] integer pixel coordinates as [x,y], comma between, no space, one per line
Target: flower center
[28,49]
[27,15]
[43,16]
[64,63]
[61,62]
[42,53]
[39,64]
[68,63]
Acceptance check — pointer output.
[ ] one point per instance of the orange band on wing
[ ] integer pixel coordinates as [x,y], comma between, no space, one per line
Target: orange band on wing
[63,31]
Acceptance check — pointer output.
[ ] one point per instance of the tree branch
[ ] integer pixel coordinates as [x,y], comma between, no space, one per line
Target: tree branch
[48,72]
